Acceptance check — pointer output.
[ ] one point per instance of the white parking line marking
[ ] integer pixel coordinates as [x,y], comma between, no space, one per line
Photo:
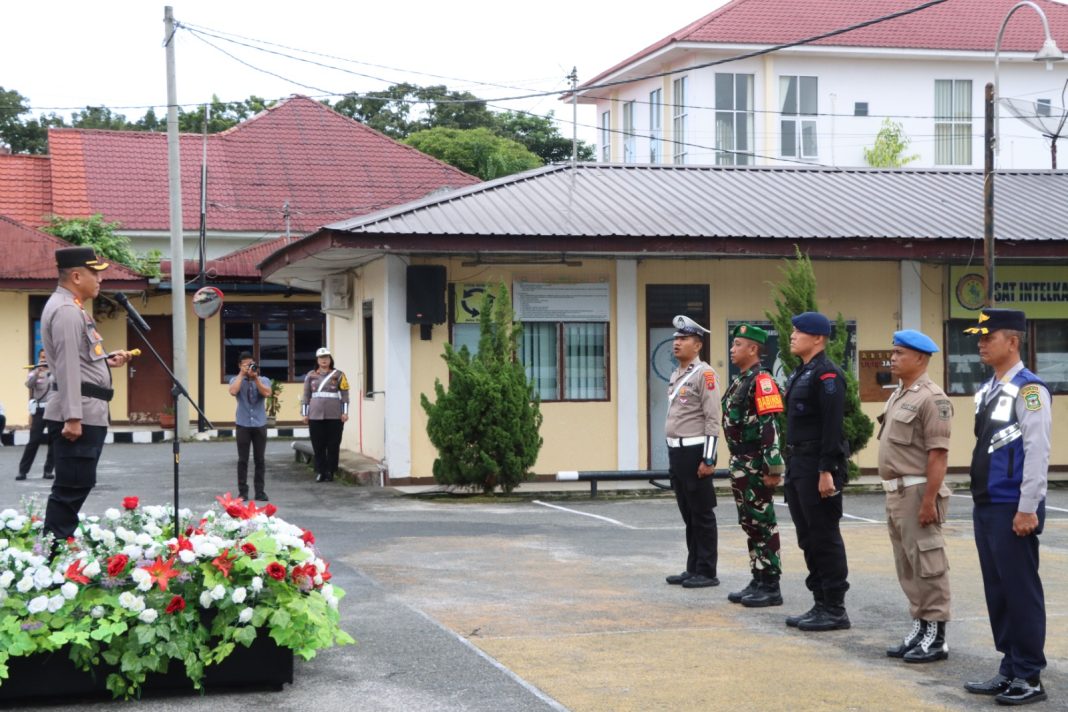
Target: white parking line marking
[584,514]
[850,516]
[1048,507]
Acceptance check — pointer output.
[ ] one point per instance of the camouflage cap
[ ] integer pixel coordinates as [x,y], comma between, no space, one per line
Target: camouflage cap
[748,331]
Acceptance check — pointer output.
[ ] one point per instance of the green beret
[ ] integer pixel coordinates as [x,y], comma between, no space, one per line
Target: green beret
[748,331]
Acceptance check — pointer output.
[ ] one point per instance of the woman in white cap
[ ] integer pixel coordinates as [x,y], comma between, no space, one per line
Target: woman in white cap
[325,408]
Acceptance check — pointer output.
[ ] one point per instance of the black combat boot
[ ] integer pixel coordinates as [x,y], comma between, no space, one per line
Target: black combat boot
[767,593]
[792,621]
[910,641]
[737,596]
[832,616]
[932,646]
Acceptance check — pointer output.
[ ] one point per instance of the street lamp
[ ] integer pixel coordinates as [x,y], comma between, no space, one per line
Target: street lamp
[1049,53]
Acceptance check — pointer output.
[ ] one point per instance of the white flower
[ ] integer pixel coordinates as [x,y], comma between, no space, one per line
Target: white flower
[245,616]
[42,577]
[218,593]
[6,578]
[239,595]
[257,584]
[138,604]
[153,551]
[69,590]
[153,530]
[126,535]
[92,569]
[58,577]
[186,556]
[8,513]
[143,539]
[16,523]
[112,513]
[133,551]
[56,602]
[3,543]
[149,615]
[38,604]
[96,532]
[205,599]
[126,600]
[139,575]
[25,584]
[97,612]
[154,511]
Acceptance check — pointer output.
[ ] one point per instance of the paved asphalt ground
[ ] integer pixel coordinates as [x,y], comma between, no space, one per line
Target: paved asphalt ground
[534,603]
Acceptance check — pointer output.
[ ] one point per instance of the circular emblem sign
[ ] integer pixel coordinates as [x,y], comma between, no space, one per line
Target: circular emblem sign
[971,291]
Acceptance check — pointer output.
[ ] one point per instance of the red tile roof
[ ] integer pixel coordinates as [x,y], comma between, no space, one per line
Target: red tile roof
[962,25]
[26,189]
[30,262]
[239,265]
[327,167]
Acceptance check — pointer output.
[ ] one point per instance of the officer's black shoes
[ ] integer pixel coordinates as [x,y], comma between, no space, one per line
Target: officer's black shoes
[677,579]
[700,581]
[319,477]
[932,645]
[793,621]
[262,497]
[737,596]
[994,686]
[767,594]
[49,476]
[910,641]
[243,494]
[1022,692]
[828,618]
[20,476]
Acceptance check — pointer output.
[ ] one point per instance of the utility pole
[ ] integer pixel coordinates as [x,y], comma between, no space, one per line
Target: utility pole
[180,366]
[202,280]
[574,115]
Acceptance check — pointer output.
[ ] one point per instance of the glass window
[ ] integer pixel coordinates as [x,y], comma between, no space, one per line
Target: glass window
[630,150]
[584,362]
[282,338]
[465,335]
[1051,353]
[679,117]
[606,136]
[965,373]
[1045,351]
[799,98]
[953,122]
[540,351]
[734,119]
[368,348]
[656,118]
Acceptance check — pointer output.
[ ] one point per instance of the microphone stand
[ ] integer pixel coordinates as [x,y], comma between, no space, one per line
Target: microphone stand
[177,389]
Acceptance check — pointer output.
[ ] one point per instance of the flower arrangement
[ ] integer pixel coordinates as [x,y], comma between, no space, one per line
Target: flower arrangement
[125,592]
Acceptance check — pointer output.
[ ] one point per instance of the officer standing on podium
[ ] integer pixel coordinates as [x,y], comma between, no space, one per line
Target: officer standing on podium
[692,430]
[816,455]
[1009,471]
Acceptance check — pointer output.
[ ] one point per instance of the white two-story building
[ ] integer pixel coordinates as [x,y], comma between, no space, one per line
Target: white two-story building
[690,99]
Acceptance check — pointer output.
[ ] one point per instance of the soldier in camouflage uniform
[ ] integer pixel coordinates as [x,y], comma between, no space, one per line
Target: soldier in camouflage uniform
[750,407]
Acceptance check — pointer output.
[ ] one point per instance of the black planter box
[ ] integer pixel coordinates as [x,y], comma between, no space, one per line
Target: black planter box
[262,665]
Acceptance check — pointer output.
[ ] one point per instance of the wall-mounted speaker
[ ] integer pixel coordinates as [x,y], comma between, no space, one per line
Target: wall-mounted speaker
[426,294]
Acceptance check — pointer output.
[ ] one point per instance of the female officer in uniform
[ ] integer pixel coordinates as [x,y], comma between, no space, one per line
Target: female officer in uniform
[325,408]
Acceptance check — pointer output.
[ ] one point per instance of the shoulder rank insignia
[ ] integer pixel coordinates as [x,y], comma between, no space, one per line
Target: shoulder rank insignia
[710,380]
[768,399]
[1030,394]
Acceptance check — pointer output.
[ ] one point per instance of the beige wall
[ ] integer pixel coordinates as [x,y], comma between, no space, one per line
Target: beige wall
[18,337]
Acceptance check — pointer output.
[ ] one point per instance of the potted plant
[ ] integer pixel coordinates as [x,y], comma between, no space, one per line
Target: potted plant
[127,604]
[274,403]
[166,417]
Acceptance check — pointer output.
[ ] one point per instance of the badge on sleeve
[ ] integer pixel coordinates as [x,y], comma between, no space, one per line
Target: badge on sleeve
[945,409]
[1030,394]
[768,399]
[710,380]
[830,382]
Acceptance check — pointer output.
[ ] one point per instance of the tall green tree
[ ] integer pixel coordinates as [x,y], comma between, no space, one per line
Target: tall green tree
[16,134]
[479,152]
[540,136]
[890,145]
[485,425]
[101,235]
[796,293]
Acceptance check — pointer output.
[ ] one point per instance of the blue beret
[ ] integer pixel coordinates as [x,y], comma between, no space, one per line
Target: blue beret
[915,340]
[812,323]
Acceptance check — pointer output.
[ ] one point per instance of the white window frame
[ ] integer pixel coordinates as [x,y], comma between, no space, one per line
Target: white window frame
[656,126]
[630,139]
[953,122]
[679,120]
[734,147]
[803,132]
[606,136]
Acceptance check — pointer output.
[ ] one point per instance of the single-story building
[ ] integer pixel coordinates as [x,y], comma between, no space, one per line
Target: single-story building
[599,257]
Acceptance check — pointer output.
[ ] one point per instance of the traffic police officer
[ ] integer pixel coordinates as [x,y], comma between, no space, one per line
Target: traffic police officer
[914,435]
[1013,423]
[39,382]
[325,408]
[692,430]
[77,411]
[816,455]
[750,406]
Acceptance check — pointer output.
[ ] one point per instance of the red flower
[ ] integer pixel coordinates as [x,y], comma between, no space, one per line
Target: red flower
[304,576]
[269,510]
[237,511]
[74,572]
[326,572]
[161,572]
[176,605]
[130,502]
[117,564]
[249,548]
[225,500]
[307,537]
[276,571]
[224,563]
[182,544]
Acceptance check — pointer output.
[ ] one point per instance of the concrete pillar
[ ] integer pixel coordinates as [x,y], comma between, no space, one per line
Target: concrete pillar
[628,429]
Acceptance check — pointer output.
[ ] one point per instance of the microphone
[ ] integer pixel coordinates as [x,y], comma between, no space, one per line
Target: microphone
[131,312]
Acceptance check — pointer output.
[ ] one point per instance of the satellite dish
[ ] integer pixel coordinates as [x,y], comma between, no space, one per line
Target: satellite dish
[207,301]
[1046,119]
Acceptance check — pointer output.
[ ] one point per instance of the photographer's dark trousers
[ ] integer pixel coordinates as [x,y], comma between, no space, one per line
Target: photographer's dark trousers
[256,439]
[38,436]
[75,476]
[818,535]
[326,444]
[696,498]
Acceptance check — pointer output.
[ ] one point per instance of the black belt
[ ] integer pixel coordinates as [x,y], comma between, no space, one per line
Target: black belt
[90,390]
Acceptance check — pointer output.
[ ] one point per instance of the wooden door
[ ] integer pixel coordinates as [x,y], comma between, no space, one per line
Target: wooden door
[149,389]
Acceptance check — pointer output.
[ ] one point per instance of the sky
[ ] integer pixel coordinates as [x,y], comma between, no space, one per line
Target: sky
[67,54]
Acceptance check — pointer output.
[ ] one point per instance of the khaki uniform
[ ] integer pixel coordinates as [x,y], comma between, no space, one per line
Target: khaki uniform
[76,355]
[693,402]
[326,395]
[915,421]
